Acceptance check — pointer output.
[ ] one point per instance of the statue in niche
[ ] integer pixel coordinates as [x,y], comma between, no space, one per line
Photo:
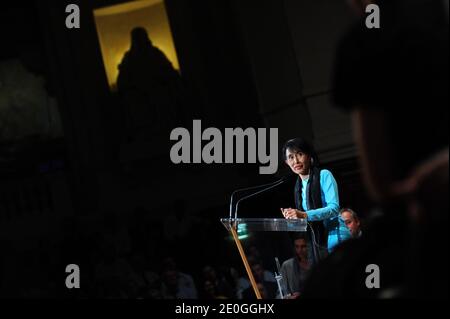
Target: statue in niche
[149,88]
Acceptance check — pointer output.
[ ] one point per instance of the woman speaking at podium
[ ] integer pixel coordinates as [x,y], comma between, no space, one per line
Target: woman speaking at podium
[316,199]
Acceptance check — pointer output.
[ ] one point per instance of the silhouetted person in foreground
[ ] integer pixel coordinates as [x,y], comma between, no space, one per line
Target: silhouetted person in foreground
[394,81]
[148,85]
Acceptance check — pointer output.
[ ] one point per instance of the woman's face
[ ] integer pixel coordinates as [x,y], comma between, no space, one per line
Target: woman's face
[298,161]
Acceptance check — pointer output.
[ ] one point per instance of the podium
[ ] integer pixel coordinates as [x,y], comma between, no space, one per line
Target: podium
[251,225]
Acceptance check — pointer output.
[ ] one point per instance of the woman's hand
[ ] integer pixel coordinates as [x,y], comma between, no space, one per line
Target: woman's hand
[291,213]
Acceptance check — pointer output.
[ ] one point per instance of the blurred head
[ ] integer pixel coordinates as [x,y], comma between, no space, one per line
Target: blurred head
[299,155]
[170,278]
[301,248]
[253,251]
[209,288]
[258,271]
[209,273]
[351,220]
[169,264]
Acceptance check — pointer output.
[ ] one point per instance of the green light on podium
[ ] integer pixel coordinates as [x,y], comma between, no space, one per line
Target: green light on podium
[242,231]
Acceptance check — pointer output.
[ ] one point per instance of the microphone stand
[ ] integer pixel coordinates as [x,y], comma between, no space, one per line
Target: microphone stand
[279,182]
[279,278]
[247,189]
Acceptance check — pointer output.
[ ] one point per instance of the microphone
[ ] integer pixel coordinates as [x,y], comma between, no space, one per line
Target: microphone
[277,263]
[273,185]
[250,188]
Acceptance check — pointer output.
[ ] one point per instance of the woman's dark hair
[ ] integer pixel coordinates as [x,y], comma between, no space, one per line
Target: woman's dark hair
[301,145]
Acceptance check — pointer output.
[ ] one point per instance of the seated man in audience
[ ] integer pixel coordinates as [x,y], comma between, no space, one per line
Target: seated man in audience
[175,284]
[295,270]
[352,221]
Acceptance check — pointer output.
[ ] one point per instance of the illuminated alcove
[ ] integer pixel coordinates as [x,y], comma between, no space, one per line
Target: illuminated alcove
[114,25]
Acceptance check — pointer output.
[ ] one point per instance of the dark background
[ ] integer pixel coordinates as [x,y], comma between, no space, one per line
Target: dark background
[64,198]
